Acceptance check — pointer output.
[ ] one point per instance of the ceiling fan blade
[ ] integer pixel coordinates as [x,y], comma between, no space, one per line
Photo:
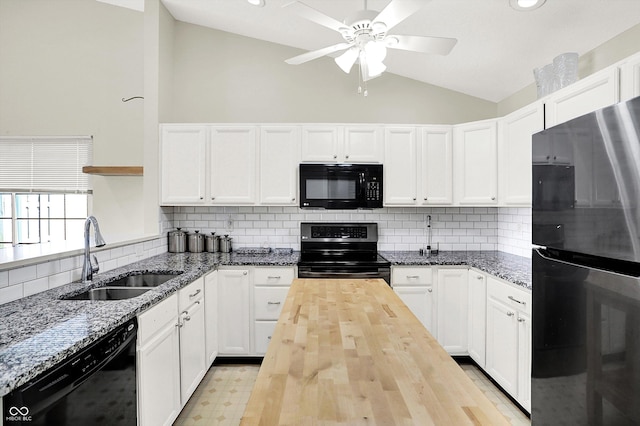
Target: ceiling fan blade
[433,45]
[314,54]
[316,16]
[397,11]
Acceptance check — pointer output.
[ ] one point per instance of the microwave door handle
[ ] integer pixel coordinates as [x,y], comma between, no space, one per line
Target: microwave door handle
[363,189]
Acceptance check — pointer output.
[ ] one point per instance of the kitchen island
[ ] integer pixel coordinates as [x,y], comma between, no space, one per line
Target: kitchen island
[351,352]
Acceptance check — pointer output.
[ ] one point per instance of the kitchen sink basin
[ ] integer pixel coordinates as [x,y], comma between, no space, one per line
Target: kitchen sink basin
[110,293]
[142,280]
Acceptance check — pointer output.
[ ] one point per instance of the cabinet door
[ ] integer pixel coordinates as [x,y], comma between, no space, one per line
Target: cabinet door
[514,153]
[321,143]
[420,301]
[233,165]
[279,159]
[453,302]
[211,316]
[524,360]
[477,317]
[476,160]
[400,166]
[630,78]
[159,378]
[362,144]
[436,165]
[192,349]
[234,301]
[589,94]
[182,164]
[502,345]
[263,333]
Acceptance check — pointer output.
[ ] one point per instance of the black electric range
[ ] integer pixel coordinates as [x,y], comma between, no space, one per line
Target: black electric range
[341,250]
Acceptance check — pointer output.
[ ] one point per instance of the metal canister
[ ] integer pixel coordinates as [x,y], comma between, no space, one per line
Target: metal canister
[177,241]
[212,243]
[196,242]
[225,244]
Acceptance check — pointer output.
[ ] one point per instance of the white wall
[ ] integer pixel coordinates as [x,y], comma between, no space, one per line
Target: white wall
[65,66]
[223,77]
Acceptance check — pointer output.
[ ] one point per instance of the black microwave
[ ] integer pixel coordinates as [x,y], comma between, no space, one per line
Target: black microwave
[340,186]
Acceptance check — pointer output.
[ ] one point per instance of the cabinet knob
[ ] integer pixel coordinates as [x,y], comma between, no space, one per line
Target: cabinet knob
[479,277]
[335,156]
[346,156]
[244,273]
[554,157]
[548,157]
[293,199]
[414,198]
[430,290]
[213,198]
[425,198]
[520,319]
[202,198]
[510,314]
[493,198]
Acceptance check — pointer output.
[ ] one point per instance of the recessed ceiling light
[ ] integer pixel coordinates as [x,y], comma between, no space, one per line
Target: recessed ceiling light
[258,3]
[526,5]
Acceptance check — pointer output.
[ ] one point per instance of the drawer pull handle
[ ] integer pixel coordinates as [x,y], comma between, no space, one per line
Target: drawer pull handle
[516,300]
[186,315]
[276,277]
[510,314]
[273,303]
[269,337]
[196,293]
[413,277]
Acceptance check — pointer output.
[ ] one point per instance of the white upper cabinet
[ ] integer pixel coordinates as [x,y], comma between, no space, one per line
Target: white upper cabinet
[321,143]
[475,160]
[279,159]
[589,94]
[362,144]
[400,166]
[182,164]
[232,161]
[342,144]
[436,165]
[514,153]
[630,78]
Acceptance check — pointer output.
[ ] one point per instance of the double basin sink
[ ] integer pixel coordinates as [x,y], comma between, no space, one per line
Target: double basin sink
[127,287]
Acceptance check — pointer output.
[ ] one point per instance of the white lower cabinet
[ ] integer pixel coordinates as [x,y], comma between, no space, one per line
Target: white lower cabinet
[508,350]
[477,316]
[414,286]
[158,369]
[234,302]
[211,316]
[453,301]
[171,354]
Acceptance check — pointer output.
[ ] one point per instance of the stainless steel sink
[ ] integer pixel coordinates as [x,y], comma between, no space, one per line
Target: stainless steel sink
[142,280]
[110,293]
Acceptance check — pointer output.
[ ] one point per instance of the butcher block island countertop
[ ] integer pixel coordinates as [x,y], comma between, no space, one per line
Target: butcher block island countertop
[350,352]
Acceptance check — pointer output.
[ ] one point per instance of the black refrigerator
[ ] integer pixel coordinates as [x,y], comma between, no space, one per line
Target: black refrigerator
[586,270]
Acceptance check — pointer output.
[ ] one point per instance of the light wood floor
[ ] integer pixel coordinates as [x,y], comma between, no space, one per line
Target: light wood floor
[223,394]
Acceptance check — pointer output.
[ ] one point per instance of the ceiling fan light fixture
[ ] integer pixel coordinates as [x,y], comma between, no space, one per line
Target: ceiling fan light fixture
[376,52]
[526,5]
[347,59]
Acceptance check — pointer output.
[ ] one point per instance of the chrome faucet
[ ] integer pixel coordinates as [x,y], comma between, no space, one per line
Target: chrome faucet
[87,267]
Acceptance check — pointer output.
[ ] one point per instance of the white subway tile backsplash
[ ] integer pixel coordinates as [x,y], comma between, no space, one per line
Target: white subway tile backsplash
[11,293]
[35,286]
[20,275]
[4,279]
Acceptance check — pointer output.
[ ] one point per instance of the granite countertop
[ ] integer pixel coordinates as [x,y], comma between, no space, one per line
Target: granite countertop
[39,331]
[510,267]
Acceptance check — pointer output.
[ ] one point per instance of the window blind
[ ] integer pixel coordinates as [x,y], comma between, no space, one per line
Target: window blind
[45,163]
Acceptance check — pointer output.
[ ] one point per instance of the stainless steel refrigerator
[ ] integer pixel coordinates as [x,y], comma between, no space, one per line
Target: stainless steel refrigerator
[586,270]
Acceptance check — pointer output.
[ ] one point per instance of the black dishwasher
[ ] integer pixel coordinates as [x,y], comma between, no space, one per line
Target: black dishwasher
[96,386]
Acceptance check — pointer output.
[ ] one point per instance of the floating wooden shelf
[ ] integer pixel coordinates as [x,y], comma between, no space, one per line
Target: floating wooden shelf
[113,170]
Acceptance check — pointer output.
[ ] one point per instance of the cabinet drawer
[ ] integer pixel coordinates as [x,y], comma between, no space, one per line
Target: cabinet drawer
[154,319]
[411,276]
[263,332]
[509,295]
[268,302]
[189,294]
[273,276]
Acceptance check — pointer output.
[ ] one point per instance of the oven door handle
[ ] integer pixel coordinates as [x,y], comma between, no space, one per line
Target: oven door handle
[350,274]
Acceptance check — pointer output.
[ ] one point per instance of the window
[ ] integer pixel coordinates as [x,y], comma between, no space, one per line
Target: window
[43,193]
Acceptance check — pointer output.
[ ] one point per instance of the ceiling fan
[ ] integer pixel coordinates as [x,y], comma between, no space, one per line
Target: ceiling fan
[366,37]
